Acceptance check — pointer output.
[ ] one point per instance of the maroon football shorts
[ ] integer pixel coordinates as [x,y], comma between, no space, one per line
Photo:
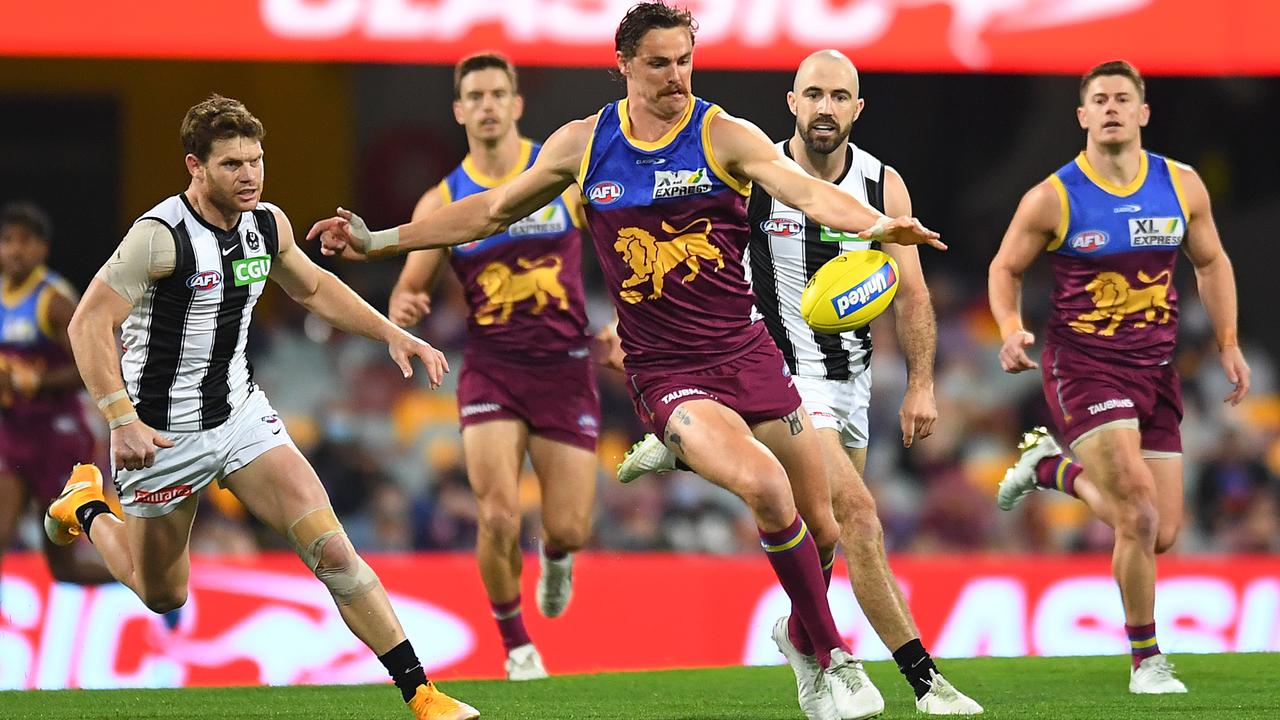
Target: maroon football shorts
[41,452]
[556,398]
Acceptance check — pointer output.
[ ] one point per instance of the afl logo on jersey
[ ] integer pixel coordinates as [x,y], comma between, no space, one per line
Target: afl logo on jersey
[1089,241]
[207,280]
[781,227]
[605,192]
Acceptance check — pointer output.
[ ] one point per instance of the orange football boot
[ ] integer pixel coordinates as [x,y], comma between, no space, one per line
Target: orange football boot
[60,521]
[428,703]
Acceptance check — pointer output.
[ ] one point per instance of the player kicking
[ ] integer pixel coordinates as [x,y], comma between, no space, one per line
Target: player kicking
[666,178]
[183,408]
[832,372]
[527,383]
[1113,220]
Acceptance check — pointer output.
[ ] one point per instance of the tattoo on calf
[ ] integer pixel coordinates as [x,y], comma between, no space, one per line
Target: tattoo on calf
[793,421]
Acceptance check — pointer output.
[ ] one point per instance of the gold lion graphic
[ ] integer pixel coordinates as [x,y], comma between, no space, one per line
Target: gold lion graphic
[651,259]
[504,288]
[1114,299]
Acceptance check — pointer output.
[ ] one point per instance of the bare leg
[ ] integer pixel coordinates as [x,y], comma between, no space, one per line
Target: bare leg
[150,556]
[567,475]
[795,443]
[1167,472]
[494,453]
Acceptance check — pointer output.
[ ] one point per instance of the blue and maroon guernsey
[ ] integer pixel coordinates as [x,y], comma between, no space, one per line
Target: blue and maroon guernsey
[669,226]
[1112,262]
[523,285]
[26,342]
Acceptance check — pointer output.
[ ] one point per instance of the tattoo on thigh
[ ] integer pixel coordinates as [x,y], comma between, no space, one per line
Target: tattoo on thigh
[683,416]
[793,422]
[674,439]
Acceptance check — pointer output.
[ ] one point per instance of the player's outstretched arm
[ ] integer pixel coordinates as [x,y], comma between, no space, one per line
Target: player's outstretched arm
[475,216]
[746,152]
[1034,226]
[1215,278]
[321,292]
[411,296]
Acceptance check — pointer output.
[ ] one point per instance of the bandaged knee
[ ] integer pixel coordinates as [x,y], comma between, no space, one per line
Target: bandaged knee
[343,571]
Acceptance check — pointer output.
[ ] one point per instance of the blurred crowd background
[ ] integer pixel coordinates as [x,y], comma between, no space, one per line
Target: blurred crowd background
[104,148]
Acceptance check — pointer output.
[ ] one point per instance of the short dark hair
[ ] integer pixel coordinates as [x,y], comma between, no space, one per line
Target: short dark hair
[218,118]
[1114,67]
[28,215]
[482,61]
[647,16]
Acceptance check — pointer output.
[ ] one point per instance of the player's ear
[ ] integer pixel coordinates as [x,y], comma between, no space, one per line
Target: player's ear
[858,105]
[457,113]
[622,64]
[1084,125]
[1144,115]
[517,107]
[791,101]
[194,166]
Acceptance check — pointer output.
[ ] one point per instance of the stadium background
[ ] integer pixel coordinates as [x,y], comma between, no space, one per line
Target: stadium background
[971,121]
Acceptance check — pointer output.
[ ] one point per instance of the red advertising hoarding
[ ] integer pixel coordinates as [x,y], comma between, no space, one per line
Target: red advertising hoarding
[267,621]
[1037,36]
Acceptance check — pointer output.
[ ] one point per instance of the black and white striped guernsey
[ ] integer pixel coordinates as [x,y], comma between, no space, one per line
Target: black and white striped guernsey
[184,358]
[786,249]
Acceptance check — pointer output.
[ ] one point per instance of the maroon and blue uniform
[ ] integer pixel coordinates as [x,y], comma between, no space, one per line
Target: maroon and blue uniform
[1110,338]
[42,436]
[669,226]
[526,352]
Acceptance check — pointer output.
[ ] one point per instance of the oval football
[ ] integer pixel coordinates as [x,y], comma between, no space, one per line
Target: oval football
[849,291]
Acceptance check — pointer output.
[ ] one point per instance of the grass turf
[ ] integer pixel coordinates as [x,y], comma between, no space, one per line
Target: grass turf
[1235,686]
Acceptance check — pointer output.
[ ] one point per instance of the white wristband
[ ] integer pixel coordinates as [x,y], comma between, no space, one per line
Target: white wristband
[383,239]
[122,420]
[877,230]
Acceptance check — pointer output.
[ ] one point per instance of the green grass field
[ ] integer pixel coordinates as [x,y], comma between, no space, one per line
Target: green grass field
[1222,686]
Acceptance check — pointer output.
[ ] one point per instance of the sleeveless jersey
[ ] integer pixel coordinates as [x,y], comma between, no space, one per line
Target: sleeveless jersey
[524,285]
[27,345]
[787,248]
[184,363]
[669,227]
[1113,260]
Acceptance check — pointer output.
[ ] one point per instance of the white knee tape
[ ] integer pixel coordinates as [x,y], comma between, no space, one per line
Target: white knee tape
[350,578]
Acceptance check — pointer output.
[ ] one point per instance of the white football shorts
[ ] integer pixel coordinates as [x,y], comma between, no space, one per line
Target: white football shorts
[839,404]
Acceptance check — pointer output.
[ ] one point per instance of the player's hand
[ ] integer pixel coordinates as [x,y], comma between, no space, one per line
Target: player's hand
[1013,354]
[404,347]
[408,307]
[903,231]
[133,446]
[606,348]
[338,233]
[1237,372]
[918,414]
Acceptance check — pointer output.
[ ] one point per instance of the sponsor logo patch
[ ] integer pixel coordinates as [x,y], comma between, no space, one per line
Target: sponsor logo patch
[1106,405]
[549,220]
[680,183]
[682,393]
[858,296]
[781,227]
[1088,241]
[162,496]
[253,241]
[1156,232]
[605,192]
[1127,209]
[250,270]
[479,409]
[207,280]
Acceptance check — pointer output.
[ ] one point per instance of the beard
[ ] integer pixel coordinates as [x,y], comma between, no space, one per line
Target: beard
[827,144]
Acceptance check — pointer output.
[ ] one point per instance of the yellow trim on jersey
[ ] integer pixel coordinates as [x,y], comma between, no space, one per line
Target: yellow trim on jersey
[585,165]
[783,547]
[469,167]
[716,167]
[42,310]
[1174,170]
[624,121]
[13,296]
[572,198]
[1064,213]
[445,195]
[1132,187]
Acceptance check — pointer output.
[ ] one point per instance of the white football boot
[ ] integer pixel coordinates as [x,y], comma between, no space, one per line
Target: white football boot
[1020,480]
[524,663]
[815,701]
[1154,676]
[555,583]
[853,692]
[649,455]
[944,699]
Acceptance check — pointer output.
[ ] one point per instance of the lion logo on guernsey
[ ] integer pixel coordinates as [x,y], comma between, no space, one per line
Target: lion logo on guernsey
[651,259]
[1115,299]
[504,287]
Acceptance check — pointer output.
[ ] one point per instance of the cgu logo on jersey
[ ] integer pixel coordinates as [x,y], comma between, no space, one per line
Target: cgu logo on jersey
[1156,232]
[251,270]
[1089,241]
[539,280]
[204,281]
[650,259]
[605,192]
[781,227]
[858,296]
[547,221]
[680,183]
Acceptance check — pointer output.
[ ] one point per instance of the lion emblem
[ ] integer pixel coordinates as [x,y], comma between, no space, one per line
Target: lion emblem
[1114,299]
[505,287]
[651,259]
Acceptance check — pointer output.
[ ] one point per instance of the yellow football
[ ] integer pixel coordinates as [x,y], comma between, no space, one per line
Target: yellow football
[849,291]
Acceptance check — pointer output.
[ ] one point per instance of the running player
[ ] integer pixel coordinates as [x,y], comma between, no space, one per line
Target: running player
[526,384]
[666,176]
[43,432]
[1113,220]
[182,405]
[833,372]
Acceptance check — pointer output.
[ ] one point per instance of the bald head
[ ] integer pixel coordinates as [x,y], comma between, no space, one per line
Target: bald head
[825,101]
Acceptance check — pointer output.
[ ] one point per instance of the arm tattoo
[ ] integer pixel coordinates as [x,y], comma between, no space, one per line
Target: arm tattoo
[793,421]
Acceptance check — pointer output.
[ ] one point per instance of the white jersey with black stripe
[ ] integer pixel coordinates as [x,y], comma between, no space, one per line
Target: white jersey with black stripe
[184,360]
[786,249]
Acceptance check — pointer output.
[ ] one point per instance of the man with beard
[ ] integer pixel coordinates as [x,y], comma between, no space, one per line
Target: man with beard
[832,372]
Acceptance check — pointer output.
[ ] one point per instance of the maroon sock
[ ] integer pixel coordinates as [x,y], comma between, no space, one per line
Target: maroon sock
[795,631]
[510,623]
[551,552]
[1058,473]
[1142,642]
[794,558]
